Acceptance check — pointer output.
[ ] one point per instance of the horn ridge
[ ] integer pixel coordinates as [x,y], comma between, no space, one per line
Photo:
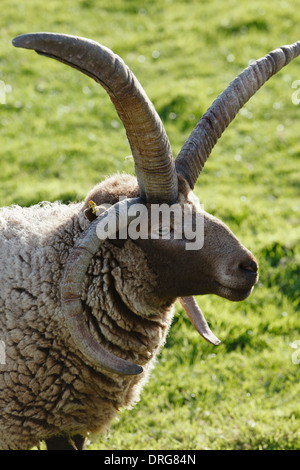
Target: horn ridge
[151,150]
[221,113]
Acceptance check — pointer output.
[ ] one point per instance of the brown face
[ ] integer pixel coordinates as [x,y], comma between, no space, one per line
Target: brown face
[223,266]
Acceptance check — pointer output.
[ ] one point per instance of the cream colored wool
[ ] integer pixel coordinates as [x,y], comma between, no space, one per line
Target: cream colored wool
[47,387]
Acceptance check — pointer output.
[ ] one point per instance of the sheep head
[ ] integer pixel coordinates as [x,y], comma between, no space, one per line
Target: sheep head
[196,253]
[221,265]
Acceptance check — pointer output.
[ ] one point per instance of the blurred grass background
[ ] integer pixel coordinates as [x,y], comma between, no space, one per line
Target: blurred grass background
[60,135]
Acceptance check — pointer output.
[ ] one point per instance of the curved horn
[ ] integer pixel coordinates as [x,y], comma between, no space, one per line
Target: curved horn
[209,129]
[76,267]
[198,320]
[154,164]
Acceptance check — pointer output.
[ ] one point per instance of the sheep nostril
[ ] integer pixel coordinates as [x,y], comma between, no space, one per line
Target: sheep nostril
[249,265]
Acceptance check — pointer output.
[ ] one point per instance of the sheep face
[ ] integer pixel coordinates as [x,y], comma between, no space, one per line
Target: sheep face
[216,263]
[223,266]
[203,258]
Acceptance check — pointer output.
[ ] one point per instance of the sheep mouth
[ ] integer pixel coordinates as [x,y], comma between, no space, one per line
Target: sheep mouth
[239,287]
[234,294]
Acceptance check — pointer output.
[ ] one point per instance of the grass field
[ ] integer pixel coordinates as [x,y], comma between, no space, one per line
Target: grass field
[60,135]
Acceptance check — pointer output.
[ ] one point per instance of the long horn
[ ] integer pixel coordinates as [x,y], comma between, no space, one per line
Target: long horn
[154,164]
[209,129]
[198,320]
[87,245]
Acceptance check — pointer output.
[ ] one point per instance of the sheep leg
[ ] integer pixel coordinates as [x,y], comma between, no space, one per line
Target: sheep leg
[66,443]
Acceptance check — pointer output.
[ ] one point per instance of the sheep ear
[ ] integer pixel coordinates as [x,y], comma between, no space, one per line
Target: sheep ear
[197,318]
[93,211]
[89,214]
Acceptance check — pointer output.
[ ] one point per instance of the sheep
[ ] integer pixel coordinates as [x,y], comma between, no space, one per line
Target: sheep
[84,310]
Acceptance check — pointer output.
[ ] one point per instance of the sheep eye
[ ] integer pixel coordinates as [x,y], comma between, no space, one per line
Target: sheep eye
[163,231]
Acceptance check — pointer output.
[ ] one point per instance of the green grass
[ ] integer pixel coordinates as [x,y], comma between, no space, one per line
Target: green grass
[60,135]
